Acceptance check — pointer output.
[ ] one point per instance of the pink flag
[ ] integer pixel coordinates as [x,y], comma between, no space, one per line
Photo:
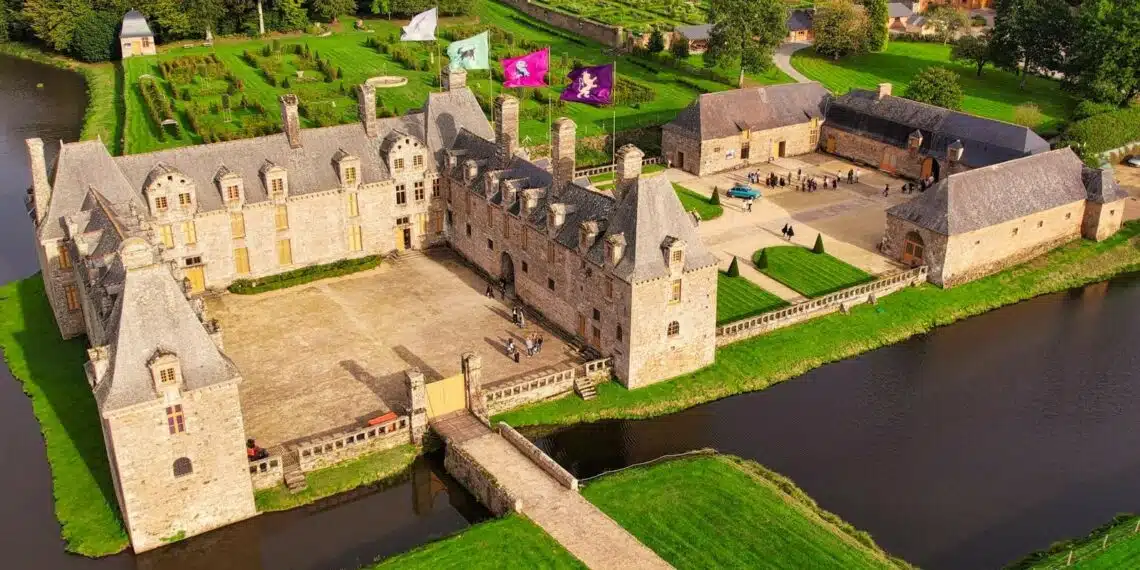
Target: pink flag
[526,70]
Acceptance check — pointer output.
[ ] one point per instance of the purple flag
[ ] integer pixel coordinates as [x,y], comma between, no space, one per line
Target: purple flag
[526,70]
[593,85]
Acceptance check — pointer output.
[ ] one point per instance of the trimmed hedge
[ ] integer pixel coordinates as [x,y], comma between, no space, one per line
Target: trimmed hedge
[304,275]
[1105,131]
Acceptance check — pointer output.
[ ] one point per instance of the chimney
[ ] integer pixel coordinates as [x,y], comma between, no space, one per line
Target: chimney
[616,249]
[506,115]
[627,169]
[290,120]
[884,90]
[556,218]
[98,363]
[530,200]
[454,79]
[41,189]
[366,104]
[954,152]
[562,153]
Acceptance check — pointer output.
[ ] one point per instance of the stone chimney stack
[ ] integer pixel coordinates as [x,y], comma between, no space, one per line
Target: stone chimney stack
[627,169]
[562,152]
[454,79]
[884,90]
[291,119]
[41,189]
[616,249]
[506,114]
[954,152]
[556,218]
[366,104]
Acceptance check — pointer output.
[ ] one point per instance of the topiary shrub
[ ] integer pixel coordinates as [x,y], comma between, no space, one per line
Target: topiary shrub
[818,247]
[94,38]
[762,259]
[715,198]
[733,269]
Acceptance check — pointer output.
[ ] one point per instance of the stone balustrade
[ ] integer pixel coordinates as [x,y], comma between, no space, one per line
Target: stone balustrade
[611,167]
[840,300]
[510,394]
[349,444]
[598,367]
[266,473]
[538,457]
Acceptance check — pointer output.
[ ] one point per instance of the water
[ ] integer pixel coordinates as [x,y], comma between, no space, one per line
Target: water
[965,448]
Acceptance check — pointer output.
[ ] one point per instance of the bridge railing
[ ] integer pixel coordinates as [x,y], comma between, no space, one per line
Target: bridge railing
[351,443]
[267,472]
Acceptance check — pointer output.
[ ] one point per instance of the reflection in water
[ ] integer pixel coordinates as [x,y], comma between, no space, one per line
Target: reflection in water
[965,448]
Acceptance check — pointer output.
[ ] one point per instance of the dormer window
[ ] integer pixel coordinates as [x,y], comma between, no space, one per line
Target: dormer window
[277,187]
[167,376]
[160,203]
[185,200]
[350,176]
[233,193]
[678,256]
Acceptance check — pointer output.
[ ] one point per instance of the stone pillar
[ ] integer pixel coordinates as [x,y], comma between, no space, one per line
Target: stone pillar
[627,169]
[291,119]
[454,79]
[41,189]
[473,382]
[562,152]
[366,105]
[417,404]
[506,117]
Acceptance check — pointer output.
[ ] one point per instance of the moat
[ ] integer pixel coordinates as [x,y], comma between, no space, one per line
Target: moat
[964,448]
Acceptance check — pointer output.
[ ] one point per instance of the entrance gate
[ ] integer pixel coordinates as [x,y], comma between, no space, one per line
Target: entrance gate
[446,396]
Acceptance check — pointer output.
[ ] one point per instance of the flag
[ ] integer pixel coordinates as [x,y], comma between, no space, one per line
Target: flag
[471,53]
[593,85]
[421,28]
[526,70]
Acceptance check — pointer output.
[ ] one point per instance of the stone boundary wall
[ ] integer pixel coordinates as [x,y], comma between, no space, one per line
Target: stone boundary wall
[840,300]
[268,472]
[610,167]
[608,35]
[1113,156]
[508,395]
[350,444]
[538,457]
[460,465]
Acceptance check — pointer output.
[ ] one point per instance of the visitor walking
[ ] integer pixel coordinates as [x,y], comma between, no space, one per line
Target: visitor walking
[835,184]
[886,190]
[799,173]
[529,347]
[490,291]
[522,318]
[858,173]
[791,233]
[850,176]
[785,230]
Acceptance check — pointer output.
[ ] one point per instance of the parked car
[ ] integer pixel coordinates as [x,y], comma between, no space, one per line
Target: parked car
[742,190]
[1133,161]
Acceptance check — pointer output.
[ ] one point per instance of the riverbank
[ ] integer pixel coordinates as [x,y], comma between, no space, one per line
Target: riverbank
[762,361]
[1115,544]
[379,467]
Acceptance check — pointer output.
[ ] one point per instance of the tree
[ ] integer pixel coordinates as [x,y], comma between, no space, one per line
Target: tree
[762,260]
[972,49]
[680,48]
[745,31]
[946,20]
[293,15]
[656,41]
[818,247]
[878,16]
[54,21]
[1033,36]
[204,13]
[936,86]
[839,28]
[733,269]
[330,10]
[715,198]
[96,38]
[1105,62]
[1028,115]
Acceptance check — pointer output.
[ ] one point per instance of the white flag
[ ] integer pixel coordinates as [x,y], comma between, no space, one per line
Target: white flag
[421,28]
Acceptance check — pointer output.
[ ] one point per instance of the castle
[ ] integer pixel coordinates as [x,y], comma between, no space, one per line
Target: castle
[128,245]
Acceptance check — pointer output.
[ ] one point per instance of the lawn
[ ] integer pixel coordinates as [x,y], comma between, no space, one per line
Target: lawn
[1091,552]
[761,361]
[810,274]
[339,478]
[511,542]
[738,298]
[722,512]
[51,372]
[694,202]
[995,94]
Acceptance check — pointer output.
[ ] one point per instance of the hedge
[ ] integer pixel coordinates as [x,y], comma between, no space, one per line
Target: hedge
[304,275]
[1105,131]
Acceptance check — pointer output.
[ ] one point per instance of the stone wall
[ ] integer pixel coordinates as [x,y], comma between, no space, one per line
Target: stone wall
[1102,220]
[350,444]
[539,457]
[266,473]
[503,396]
[654,355]
[872,153]
[608,35]
[718,155]
[841,300]
[460,465]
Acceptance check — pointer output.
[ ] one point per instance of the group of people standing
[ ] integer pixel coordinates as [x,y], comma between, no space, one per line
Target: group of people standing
[788,232]
[533,341]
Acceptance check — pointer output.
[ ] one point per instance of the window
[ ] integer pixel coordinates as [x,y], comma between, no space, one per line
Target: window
[468,195]
[550,252]
[237,225]
[418,160]
[350,176]
[468,228]
[353,206]
[437,223]
[491,244]
[813,134]
[233,194]
[677,256]
[619,333]
[160,203]
[166,376]
[72,294]
[175,421]
[402,221]
[241,261]
[401,195]
[278,187]
[674,329]
[182,467]
[167,235]
[64,258]
[524,232]
[490,218]
[1112,212]
[399,164]
[506,226]
[281,217]
[676,296]
[191,261]
[435,188]
[284,252]
[597,315]
[184,199]
[189,233]
[418,190]
[609,287]
[525,267]
[355,238]
[550,283]
[146,41]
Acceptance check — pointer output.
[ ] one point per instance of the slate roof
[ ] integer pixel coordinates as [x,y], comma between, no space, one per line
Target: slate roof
[135,26]
[698,32]
[445,113]
[983,197]
[82,166]
[898,10]
[1101,185]
[726,113]
[799,20]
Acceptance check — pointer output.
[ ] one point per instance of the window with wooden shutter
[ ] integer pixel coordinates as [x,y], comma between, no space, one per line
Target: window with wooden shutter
[284,252]
[72,295]
[353,205]
[241,261]
[189,233]
[281,217]
[167,234]
[64,258]
[355,238]
[237,225]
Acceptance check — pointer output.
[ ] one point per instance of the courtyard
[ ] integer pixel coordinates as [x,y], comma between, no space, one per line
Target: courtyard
[332,354]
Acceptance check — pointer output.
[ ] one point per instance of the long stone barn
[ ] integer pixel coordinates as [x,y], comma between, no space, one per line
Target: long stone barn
[127,246]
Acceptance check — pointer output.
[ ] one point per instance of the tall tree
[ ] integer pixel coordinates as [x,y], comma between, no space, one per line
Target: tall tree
[946,20]
[330,10]
[656,41]
[840,28]
[745,31]
[878,17]
[972,49]
[1033,36]
[204,13]
[936,86]
[54,21]
[1105,62]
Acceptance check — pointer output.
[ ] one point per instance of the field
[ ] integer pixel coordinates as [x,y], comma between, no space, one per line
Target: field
[810,274]
[719,512]
[511,542]
[1115,544]
[995,94]
[638,16]
[738,298]
[694,202]
[338,478]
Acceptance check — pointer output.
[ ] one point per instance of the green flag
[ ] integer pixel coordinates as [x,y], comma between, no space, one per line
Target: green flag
[471,53]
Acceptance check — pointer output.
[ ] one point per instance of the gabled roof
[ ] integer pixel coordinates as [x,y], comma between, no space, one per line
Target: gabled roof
[445,113]
[983,197]
[898,10]
[1101,185]
[135,26]
[80,167]
[698,32]
[726,113]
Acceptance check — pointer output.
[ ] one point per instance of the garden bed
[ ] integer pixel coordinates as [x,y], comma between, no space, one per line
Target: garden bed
[808,273]
[304,275]
[738,298]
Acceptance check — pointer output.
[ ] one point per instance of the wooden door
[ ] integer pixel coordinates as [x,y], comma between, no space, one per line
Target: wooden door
[399,239]
[446,396]
[783,149]
[888,162]
[582,326]
[197,277]
[927,167]
[913,248]
[596,342]
[680,160]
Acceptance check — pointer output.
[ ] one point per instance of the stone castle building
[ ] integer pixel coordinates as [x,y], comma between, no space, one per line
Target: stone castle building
[126,245]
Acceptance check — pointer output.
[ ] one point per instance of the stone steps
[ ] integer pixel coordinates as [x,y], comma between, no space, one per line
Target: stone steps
[585,388]
[295,481]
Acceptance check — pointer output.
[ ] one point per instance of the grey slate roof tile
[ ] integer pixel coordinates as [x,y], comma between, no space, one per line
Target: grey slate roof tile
[135,26]
[726,113]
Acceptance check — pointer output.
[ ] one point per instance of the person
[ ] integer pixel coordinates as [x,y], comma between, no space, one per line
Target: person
[886,190]
[522,319]
[835,184]
[785,230]
[783,182]
[515,315]
[490,291]
[253,452]
[538,342]
[529,346]
[799,173]
[791,233]
[850,176]
[749,203]
[858,173]
[510,346]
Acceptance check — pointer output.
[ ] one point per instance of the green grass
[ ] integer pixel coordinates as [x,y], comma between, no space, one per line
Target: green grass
[720,512]
[339,478]
[738,298]
[810,274]
[511,542]
[51,372]
[694,202]
[1091,552]
[762,361]
[305,275]
[995,94]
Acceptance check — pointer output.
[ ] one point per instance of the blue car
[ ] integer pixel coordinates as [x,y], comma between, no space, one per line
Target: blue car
[742,190]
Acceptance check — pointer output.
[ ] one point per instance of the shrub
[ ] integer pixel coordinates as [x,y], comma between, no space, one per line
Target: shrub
[95,38]
[304,275]
[762,260]
[1105,131]
[656,41]
[733,269]
[715,198]
[818,247]
[936,86]
[680,50]
[1028,115]
[1088,108]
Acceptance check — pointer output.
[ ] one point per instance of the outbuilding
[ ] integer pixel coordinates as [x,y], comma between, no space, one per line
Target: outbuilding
[135,37]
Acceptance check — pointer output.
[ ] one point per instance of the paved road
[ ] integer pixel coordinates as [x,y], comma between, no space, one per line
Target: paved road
[783,59]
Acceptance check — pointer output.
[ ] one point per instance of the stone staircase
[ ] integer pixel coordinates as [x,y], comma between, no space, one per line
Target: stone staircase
[584,387]
[294,477]
[397,258]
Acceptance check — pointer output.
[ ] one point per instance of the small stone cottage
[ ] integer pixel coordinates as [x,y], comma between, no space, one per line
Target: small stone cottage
[135,37]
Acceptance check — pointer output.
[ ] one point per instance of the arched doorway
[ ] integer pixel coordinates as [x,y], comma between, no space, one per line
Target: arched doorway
[930,167]
[913,248]
[507,273]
